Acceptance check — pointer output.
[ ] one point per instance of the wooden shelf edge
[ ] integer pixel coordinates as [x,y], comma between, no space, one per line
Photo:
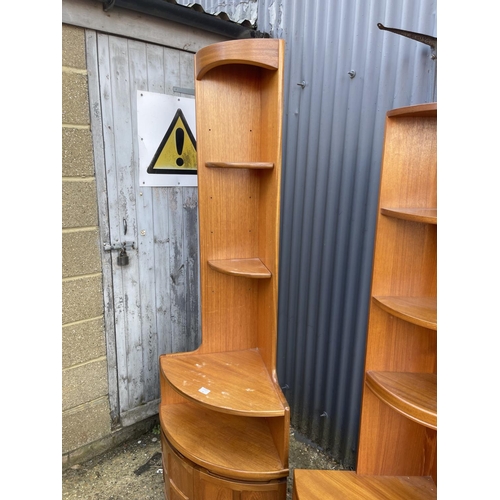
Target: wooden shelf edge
[258,52]
[420,311]
[235,383]
[426,109]
[424,215]
[309,484]
[247,268]
[414,395]
[248,165]
[220,443]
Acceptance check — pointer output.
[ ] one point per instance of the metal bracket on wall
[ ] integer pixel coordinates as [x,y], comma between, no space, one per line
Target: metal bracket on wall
[419,37]
[183,90]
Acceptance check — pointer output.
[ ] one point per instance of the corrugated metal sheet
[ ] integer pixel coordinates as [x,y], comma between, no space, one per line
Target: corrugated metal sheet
[333,134]
[214,19]
[238,11]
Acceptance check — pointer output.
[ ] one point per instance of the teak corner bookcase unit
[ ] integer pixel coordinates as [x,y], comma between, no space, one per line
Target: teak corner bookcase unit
[224,420]
[398,433]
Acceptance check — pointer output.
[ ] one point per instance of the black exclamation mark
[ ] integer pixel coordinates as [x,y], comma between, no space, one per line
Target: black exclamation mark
[179,144]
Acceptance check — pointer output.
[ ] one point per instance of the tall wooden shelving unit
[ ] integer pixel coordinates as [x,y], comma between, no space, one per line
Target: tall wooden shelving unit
[398,433]
[224,419]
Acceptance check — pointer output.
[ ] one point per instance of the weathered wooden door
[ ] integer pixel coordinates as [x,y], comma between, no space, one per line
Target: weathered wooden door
[152,302]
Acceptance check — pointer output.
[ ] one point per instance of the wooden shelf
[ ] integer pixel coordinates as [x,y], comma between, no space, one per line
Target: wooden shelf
[411,394]
[234,382]
[346,485]
[236,447]
[421,311]
[249,268]
[256,165]
[425,215]
[260,52]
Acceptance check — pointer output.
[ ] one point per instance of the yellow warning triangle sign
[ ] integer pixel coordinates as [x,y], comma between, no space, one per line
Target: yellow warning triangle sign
[177,150]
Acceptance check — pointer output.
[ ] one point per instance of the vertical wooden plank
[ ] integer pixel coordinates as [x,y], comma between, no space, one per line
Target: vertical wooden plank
[128,295]
[156,60]
[148,371]
[183,228]
[186,67]
[99,161]
[158,80]
[162,270]
[177,278]
[113,210]
[172,69]
[155,67]
[190,223]
[191,257]
[171,74]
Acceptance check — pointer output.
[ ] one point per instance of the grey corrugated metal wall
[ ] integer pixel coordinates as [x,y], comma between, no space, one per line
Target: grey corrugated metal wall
[333,133]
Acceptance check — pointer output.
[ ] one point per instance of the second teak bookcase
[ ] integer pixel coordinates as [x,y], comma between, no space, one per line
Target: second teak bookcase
[224,420]
[398,432]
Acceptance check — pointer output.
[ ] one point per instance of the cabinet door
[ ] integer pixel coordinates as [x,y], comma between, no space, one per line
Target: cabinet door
[174,494]
[177,474]
[207,486]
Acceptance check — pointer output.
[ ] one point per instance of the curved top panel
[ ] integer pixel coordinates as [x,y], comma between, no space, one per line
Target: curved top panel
[263,52]
[426,109]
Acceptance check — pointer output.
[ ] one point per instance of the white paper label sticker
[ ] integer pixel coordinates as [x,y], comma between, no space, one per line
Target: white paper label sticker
[204,390]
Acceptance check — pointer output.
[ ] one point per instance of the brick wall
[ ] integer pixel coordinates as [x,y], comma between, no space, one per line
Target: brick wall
[85,406]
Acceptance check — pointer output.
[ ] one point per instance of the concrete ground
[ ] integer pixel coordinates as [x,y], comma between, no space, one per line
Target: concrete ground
[133,470]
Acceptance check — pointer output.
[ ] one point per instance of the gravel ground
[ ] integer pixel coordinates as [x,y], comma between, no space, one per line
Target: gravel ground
[133,470]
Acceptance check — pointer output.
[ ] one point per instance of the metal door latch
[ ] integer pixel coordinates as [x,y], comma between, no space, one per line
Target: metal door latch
[122,259]
[119,246]
[419,37]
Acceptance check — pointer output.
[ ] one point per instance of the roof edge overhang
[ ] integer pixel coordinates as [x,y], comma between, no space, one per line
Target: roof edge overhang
[185,15]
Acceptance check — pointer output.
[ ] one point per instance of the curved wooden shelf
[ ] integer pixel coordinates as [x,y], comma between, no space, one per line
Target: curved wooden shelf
[425,215]
[426,109]
[320,484]
[234,447]
[421,311]
[262,165]
[262,52]
[248,268]
[411,394]
[235,382]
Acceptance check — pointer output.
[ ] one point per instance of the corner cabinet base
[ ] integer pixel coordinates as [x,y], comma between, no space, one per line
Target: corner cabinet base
[184,480]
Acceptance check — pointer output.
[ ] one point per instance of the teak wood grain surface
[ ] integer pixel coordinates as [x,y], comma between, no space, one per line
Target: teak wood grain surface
[222,409]
[420,311]
[237,447]
[411,394]
[398,434]
[249,268]
[232,382]
[346,485]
